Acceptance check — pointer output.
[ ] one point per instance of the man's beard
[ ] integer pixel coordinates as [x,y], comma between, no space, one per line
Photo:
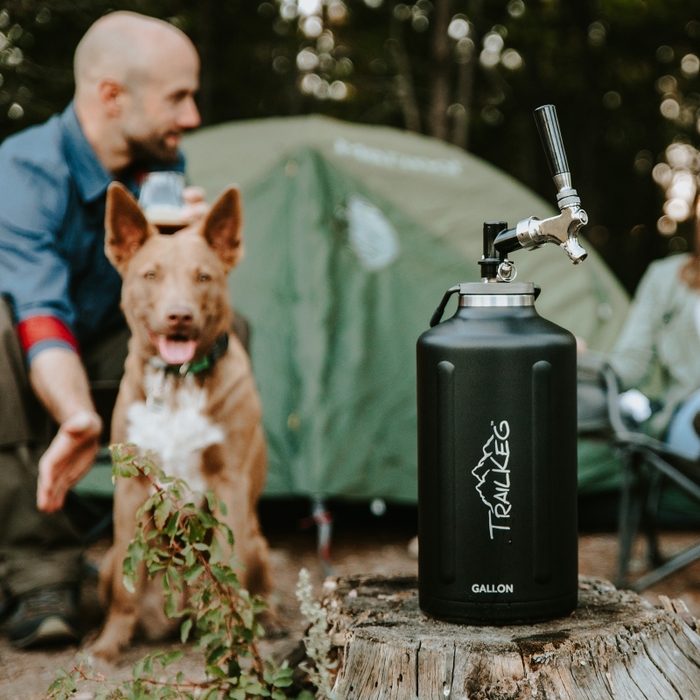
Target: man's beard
[152,147]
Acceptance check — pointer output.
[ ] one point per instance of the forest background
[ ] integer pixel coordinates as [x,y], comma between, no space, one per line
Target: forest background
[623,74]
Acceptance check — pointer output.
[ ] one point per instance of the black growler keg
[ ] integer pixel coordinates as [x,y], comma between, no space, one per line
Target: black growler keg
[497,432]
[497,460]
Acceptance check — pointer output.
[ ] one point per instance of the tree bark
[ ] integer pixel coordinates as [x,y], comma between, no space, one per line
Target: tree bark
[403,85]
[615,646]
[465,83]
[207,53]
[440,82]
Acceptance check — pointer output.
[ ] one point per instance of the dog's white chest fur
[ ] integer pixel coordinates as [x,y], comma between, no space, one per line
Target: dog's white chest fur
[177,429]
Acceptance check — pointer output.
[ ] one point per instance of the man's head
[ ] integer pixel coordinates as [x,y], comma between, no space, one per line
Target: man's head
[135,80]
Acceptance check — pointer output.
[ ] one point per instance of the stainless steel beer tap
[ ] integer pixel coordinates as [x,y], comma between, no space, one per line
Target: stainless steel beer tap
[563,229]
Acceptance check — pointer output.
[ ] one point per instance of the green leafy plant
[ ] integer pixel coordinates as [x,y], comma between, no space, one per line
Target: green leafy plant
[317,641]
[189,548]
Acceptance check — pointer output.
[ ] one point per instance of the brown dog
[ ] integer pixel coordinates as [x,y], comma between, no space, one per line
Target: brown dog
[187,394]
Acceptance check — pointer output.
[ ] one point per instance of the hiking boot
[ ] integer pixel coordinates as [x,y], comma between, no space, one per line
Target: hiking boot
[44,616]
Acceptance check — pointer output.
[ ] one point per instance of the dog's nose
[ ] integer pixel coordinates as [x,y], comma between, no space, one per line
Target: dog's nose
[179,316]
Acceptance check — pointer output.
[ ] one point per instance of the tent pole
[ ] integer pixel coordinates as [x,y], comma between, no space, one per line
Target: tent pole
[324,528]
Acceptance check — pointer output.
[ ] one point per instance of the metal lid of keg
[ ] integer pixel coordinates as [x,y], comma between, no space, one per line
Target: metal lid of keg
[498,294]
[496,288]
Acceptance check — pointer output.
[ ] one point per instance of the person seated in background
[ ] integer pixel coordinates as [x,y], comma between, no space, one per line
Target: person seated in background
[662,335]
[60,321]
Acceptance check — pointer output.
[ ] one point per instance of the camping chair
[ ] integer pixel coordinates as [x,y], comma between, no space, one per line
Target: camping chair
[648,465]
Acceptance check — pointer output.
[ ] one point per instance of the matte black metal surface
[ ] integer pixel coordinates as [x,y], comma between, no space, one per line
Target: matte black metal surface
[497,507]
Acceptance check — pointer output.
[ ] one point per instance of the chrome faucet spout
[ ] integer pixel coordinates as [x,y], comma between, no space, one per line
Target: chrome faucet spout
[562,229]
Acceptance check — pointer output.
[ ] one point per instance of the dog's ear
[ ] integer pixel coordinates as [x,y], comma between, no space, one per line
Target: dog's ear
[222,228]
[126,228]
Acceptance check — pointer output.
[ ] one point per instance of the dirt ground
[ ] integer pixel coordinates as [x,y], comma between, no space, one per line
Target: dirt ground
[362,544]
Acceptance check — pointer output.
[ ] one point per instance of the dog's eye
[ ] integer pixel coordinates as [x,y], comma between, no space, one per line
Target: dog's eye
[150,275]
[203,277]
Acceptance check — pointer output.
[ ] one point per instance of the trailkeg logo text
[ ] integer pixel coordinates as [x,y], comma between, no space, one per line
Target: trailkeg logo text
[493,477]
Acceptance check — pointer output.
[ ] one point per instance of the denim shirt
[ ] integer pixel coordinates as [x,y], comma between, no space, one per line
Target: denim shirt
[52,208]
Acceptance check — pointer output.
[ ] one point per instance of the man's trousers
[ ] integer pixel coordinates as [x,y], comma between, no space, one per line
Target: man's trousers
[36,549]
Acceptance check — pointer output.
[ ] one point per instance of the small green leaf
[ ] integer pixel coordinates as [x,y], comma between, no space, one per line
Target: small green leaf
[161,514]
[211,499]
[215,552]
[129,584]
[214,655]
[171,657]
[174,577]
[234,669]
[173,522]
[171,607]
[185,629]
[216,671]
[194,573]
[138,670]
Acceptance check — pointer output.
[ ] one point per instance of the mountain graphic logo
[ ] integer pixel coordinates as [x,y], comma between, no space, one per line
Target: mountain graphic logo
[492,474]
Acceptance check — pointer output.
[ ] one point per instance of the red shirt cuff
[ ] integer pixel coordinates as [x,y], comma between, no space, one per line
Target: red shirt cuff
[39,328]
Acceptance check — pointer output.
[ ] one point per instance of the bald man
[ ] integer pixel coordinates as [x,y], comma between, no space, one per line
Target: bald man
[60,322]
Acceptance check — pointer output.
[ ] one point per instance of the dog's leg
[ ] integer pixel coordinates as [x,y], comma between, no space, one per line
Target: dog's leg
[250,547]
[104,587]
[130,494]
[153,623]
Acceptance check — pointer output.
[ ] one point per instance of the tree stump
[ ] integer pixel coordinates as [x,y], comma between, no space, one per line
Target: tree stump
[615,645]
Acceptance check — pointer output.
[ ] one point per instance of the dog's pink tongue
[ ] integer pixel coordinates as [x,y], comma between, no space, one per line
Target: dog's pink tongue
[176,352]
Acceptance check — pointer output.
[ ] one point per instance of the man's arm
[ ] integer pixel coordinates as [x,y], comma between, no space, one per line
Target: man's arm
[61,384]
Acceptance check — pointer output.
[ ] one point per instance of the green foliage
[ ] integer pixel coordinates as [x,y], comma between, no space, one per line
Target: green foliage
[191,550]
[317,640]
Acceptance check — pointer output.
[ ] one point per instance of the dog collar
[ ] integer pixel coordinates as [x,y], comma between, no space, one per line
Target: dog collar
[218,350]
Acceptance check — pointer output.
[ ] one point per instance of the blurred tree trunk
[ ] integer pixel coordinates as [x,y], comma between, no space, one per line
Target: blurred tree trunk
[403,86]
[207,50]
[440,74]
[467,60]
[465,84]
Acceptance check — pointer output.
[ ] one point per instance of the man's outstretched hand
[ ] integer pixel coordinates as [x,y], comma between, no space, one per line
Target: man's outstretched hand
[70,456]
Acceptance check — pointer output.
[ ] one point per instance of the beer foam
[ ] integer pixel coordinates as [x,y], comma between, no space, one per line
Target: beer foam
[164,214]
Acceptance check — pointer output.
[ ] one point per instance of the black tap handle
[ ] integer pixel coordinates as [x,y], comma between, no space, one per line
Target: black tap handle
[548,126]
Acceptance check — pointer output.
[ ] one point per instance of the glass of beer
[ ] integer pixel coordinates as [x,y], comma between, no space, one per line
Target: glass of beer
[161,200]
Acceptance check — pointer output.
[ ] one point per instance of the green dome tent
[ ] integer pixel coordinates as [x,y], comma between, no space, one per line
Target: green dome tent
[352,235]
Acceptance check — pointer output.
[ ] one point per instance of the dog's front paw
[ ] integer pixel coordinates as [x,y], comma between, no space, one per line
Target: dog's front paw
[102,650]
[115,636]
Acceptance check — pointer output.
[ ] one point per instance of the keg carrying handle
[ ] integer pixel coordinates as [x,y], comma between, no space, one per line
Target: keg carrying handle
[437,316]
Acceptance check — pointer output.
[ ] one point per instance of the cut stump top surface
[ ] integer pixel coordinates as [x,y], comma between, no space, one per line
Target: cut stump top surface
[615,645]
